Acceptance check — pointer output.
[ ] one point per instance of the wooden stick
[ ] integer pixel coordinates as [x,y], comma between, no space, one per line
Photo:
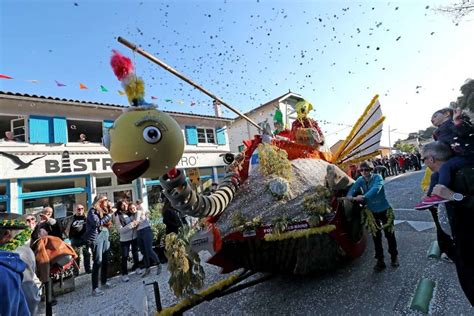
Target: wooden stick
[182,77]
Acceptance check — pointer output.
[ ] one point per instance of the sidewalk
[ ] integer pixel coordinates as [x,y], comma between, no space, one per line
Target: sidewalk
[124,299]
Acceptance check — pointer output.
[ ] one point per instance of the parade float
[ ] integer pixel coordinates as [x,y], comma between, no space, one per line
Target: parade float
[278,210]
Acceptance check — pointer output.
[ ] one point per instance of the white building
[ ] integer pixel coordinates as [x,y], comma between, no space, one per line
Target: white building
[48,165]
[241,129]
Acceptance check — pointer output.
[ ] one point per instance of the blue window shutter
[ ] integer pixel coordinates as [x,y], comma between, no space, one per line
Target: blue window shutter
[59,130]
[191,135]
[107,124]
[220,132]
[40,128]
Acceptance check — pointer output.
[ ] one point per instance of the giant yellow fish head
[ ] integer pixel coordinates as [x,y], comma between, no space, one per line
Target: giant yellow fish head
[144,143]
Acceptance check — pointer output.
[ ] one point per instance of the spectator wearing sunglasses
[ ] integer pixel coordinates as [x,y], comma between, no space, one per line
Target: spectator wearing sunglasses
[76,231]
[369,189]
[30,221]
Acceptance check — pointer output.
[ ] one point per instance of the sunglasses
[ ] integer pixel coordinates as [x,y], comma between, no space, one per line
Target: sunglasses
[31,220]
[80,208]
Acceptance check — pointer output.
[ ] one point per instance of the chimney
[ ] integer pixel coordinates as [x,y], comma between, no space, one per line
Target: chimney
[217,108]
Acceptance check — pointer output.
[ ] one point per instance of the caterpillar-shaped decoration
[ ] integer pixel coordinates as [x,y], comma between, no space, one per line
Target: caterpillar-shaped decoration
[188,201]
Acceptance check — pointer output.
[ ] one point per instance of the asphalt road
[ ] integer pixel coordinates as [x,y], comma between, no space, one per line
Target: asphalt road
[354,289]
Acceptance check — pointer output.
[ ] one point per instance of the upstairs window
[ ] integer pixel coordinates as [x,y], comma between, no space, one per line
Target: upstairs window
[14,127]
[206,136]
[91,130]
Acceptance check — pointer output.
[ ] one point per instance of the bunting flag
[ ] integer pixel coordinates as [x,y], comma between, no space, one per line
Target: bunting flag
[82,86]
[154,98]
[103,89]
[168,100]
[180,101]
[33,81]
[59,84]
[120,92]
[193,103]
[5,77]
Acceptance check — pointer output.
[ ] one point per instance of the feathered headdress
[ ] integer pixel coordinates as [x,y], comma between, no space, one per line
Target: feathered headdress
[132,84]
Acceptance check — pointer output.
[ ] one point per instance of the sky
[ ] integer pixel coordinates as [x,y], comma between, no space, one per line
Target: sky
[336,54]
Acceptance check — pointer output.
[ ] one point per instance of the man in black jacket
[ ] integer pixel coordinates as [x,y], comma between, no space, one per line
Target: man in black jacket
[76,231]
[460,195]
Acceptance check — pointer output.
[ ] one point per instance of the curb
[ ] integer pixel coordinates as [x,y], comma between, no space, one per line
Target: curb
[423,294]
[434,252]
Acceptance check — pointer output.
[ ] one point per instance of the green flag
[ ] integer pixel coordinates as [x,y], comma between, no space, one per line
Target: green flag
[103,89]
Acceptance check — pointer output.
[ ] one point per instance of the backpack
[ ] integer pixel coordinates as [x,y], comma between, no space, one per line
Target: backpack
[54,257]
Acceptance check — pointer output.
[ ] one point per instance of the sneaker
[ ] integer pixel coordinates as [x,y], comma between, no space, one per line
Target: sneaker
[97,292]
[422,206]
[108,285]
[434,199]
[125,278]
[139,271]
[394,262]
[380,265]
[158,269]
[146,272]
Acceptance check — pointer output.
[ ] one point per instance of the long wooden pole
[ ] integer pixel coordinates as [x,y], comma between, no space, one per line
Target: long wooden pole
[182,77]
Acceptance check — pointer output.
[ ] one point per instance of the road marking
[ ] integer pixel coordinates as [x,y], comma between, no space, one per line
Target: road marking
[417,225]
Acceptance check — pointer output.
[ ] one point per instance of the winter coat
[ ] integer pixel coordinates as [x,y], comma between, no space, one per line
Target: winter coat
[373,191]
[11,292]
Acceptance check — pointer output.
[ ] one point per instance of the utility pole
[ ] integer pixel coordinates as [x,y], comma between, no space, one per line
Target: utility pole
[389,141]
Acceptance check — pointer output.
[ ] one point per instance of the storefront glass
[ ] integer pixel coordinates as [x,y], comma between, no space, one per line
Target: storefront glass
[61,194]
[3,197]
[52,184]
[62,205]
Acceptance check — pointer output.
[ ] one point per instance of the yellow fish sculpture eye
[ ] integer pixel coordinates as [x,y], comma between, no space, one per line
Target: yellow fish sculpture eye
[145,143]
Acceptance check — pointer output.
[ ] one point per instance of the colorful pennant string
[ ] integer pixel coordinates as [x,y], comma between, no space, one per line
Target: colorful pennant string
[103,89]
[5,77]
[59,84]
[82,86]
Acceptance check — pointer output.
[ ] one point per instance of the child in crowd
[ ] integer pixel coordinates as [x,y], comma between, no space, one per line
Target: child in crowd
[454,129]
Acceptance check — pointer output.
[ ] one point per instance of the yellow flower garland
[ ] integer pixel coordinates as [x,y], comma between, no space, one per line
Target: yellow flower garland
[300,233]
[186,302]
[356,126]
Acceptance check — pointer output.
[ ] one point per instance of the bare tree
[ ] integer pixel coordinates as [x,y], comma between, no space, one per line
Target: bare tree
[458,10]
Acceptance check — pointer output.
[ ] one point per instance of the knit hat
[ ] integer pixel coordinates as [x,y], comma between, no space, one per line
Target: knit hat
[366,165]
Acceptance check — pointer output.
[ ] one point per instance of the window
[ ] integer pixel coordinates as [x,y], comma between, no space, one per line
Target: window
[92,130]
[103,182]
[206,136]
[53,184]
[13,124]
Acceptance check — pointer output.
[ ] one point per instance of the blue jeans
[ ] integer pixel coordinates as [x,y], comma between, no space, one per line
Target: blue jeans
[145,242]
[100,252]
[125,247]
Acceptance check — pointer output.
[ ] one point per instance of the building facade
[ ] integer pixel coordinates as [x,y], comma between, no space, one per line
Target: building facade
[241,129]
[48,162]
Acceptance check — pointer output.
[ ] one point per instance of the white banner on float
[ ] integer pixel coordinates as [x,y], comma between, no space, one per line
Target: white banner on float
[15,165]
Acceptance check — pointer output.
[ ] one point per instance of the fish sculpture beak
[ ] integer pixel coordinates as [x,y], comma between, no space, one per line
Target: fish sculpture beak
[130,170]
